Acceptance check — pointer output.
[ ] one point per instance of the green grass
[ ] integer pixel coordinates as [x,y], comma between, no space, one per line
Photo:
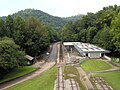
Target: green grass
[95,65]
[17,73]
[42,82]
[113,79]
[73,70]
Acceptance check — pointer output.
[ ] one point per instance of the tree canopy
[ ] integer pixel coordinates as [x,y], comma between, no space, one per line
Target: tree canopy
[19,37]
[32,35]
[11,56]
[115,31]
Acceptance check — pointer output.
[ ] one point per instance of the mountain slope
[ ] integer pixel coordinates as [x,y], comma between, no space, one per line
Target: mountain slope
[56,22]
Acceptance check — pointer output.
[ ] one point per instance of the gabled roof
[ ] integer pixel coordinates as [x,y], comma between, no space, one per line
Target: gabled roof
[29,57]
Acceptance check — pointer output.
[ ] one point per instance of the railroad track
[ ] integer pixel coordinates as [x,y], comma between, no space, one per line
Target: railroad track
[60,80]
[60,83]
[61,54]
[74,85]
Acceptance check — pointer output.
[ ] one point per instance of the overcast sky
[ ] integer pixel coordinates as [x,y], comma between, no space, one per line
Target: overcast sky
[61,8]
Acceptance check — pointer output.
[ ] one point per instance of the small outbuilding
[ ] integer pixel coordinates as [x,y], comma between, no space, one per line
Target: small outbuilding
[30,59]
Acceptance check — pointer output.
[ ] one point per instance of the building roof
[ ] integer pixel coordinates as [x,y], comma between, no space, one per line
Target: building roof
[68,43]
[29,57]
[87,48]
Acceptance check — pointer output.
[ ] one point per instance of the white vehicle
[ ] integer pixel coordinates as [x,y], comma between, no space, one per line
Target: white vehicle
[47,53]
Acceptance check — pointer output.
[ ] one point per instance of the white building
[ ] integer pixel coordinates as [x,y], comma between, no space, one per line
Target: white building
[86,49]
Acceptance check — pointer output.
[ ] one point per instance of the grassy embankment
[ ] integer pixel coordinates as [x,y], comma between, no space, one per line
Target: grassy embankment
[113,78]
[42,82]
[73,70]
[95,65]
[17,73]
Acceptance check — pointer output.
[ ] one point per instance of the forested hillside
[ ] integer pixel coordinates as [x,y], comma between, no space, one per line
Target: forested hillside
[31,35]
[19,37]
[55,22]
[73,18]
[101,28]
[29,32]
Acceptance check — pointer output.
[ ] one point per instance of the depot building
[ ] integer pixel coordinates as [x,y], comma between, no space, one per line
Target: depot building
[86,49]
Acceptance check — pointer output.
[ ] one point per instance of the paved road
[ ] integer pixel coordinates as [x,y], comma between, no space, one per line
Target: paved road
[53,54]
[51,62]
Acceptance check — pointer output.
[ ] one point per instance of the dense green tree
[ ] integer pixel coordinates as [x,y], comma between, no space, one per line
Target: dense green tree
[115,31]
[37,37]
[104,39]
[18,33]
[67,32]
[31,35]
[10,57]
[82,35]
[91,32]
[9,26]
[2,28]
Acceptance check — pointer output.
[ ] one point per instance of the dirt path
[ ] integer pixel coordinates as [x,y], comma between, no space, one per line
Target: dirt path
[110,70]
[84,78]
[44,67]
